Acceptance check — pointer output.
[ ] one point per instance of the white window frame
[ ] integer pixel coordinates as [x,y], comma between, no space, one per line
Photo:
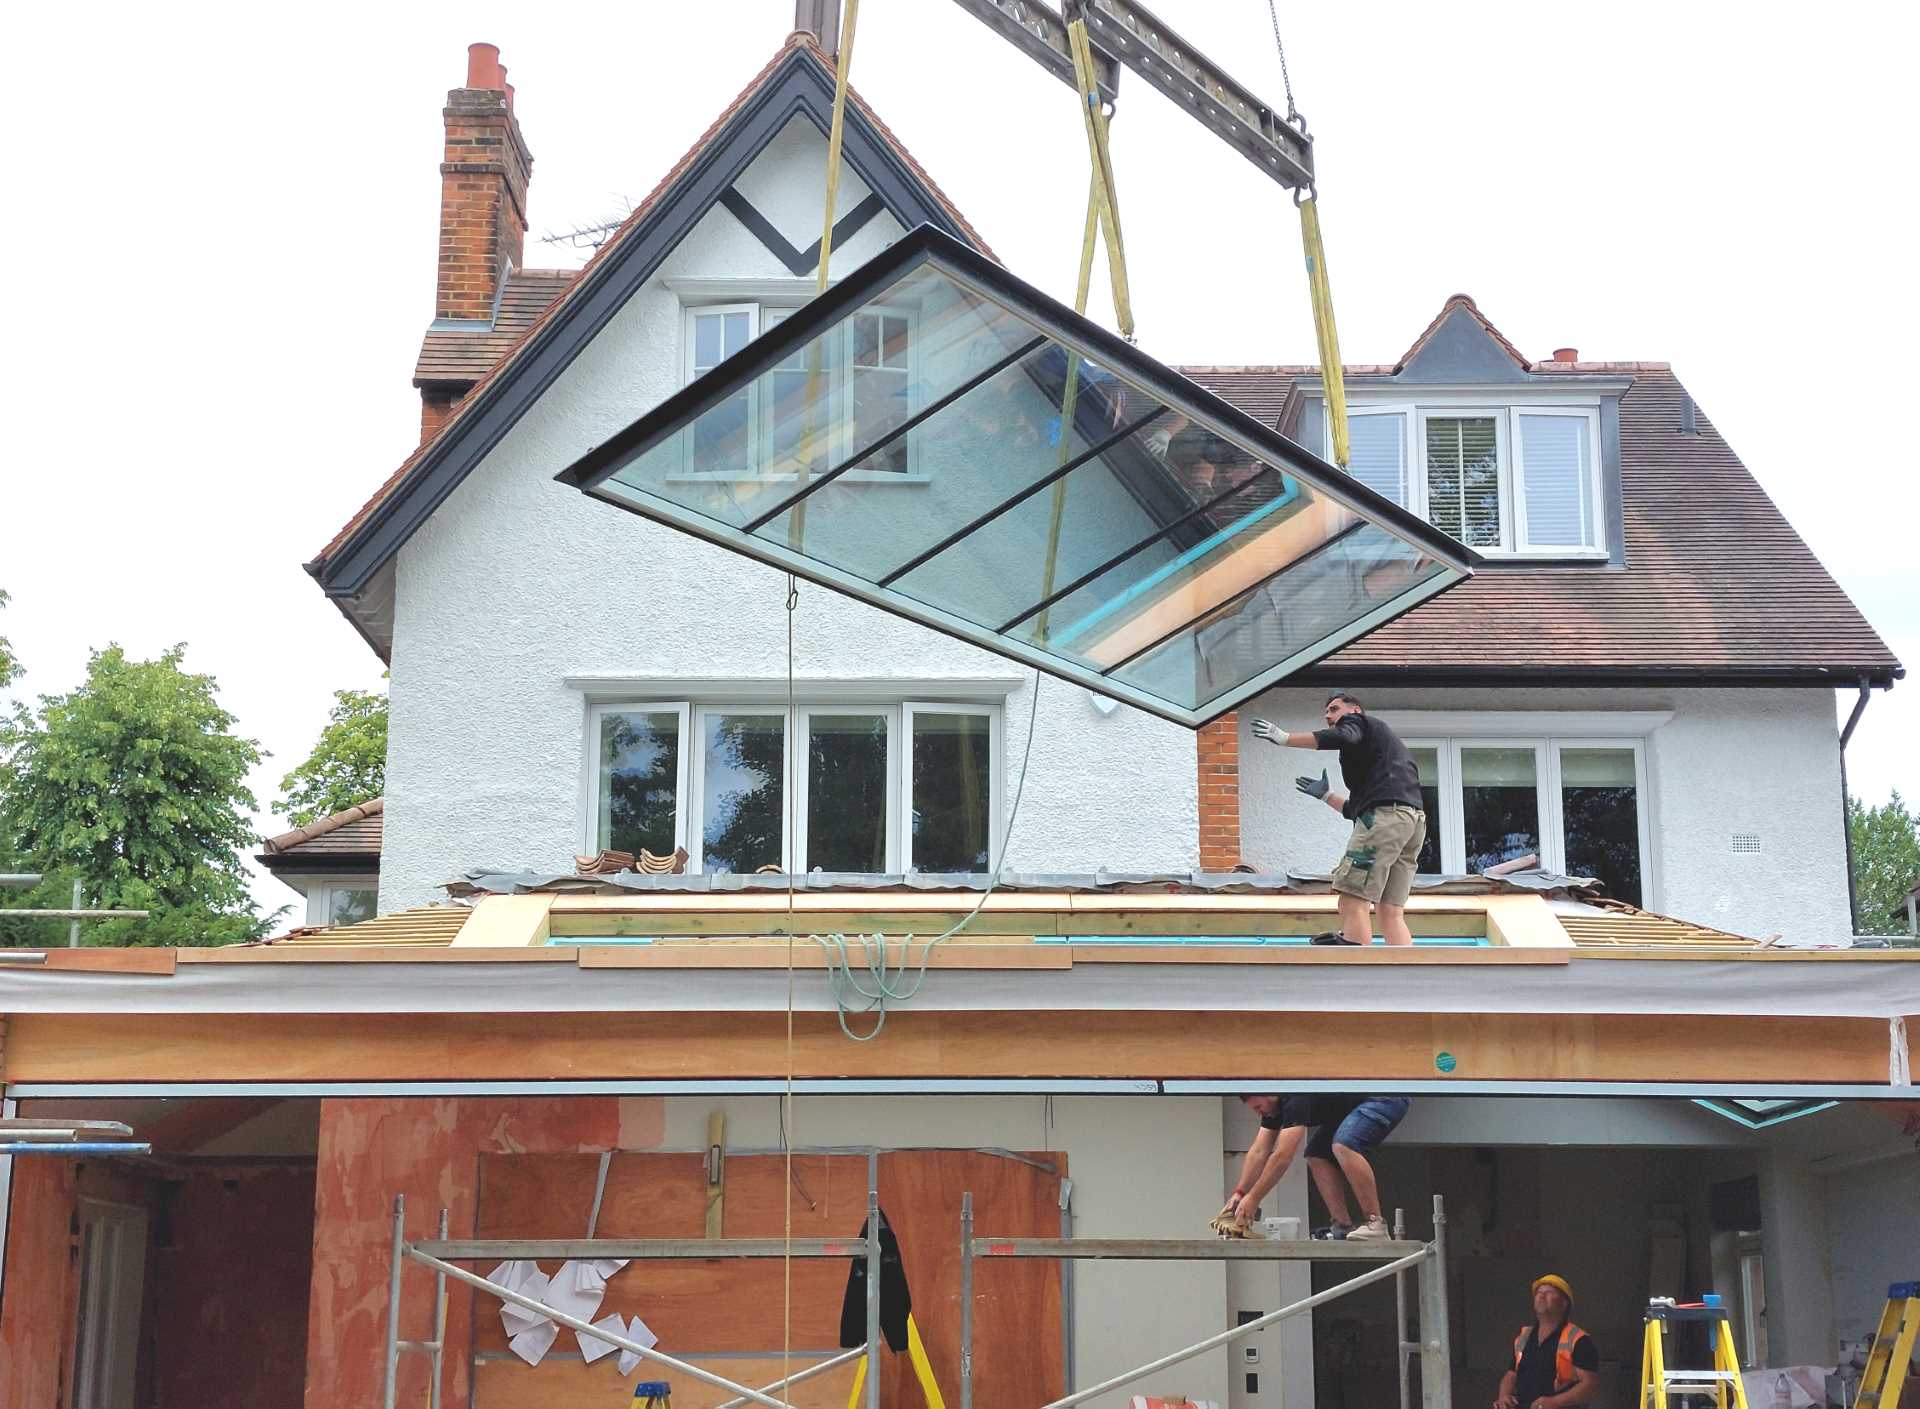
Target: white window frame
[320,890]
[1522,546]
[113,1261]
[758,311]
[1449,732]
[896,785]
[996,771]
[1513,542]
[590,780]
[690,775]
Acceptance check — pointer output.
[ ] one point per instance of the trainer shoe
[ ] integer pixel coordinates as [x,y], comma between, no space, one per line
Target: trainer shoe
[1332,1233]
[1374,1230]
[1333,937]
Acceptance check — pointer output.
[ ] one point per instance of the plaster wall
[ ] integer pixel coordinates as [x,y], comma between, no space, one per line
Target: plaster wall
[1762,761]
[1873,1236]
[517,583]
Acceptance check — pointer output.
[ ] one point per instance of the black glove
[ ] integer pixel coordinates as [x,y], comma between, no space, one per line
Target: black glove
[1314,787]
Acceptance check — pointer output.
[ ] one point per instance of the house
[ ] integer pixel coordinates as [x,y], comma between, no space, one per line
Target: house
[332,862]
[539,1053]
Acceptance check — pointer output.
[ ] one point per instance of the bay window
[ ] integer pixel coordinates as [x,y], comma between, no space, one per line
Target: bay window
[1520,480]
[1578,804]
[882,788]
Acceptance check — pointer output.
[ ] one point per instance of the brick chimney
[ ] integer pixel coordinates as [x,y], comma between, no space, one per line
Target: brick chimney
[483,191]
[1218,744]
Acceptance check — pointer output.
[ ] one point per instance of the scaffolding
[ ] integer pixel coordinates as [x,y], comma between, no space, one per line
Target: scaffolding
[1396,1258]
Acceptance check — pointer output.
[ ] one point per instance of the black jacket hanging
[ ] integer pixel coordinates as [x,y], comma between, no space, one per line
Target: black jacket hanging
[895,1300]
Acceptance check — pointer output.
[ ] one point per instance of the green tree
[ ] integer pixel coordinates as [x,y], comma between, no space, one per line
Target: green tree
[347,766]
[134,784]
[9,663]
[1886,863]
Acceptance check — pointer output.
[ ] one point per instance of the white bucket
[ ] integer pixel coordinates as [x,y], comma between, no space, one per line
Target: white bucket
[1280,1229]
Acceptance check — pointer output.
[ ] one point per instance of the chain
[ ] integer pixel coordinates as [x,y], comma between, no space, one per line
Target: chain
[1286,79]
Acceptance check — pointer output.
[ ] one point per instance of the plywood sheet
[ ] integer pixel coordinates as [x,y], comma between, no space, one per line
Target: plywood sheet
[573,1384]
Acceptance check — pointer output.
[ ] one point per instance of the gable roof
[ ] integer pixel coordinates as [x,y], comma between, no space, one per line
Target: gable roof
[350,836]
[798,82]
[1459,309]
[1731,596]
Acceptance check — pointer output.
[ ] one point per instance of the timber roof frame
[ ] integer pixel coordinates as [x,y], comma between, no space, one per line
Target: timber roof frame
[798,83]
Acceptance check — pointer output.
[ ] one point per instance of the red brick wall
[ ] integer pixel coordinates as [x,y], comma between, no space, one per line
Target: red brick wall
[484,172]
[1218,745]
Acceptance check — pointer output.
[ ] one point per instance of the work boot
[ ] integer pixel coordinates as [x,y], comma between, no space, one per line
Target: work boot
[1374,1230]
[1332,1233]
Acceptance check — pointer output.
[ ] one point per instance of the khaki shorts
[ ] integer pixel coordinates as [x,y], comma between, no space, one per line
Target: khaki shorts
[1381,853]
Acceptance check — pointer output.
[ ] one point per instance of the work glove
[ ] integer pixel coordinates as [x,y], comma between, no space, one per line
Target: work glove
[1314,787]
[1268,730]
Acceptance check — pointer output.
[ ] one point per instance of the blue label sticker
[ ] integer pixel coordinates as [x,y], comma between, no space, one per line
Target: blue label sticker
[1444,1061]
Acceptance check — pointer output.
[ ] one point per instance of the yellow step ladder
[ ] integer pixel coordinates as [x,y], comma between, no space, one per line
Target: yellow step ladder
[1660,1386]
[1892,1350]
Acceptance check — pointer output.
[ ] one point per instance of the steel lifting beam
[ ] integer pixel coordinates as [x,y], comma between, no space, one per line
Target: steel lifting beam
[1124,32]
[1033,28]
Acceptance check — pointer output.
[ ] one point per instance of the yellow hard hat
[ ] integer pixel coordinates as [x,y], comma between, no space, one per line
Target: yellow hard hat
[1558,1283]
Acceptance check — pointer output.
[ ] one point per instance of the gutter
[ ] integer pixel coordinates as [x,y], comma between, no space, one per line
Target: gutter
[1846,818]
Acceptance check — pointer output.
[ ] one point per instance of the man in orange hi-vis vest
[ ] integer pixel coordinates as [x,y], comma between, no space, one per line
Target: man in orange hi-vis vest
[1556,1365]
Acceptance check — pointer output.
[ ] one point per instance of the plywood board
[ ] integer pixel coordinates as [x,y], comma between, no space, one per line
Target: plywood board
[559,1383]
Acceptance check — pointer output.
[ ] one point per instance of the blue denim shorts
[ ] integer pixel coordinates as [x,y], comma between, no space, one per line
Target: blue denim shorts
[1362,1129]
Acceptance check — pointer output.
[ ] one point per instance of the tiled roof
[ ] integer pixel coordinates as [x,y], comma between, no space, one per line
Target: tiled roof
[354,832]
[1473,311]
[1717,582]
[799,41]
[464,355]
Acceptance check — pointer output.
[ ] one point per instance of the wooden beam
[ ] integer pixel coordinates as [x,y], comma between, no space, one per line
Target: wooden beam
[1370,1047]
[506,920]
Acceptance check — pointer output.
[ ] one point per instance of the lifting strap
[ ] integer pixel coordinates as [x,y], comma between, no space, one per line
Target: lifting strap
[1321,292]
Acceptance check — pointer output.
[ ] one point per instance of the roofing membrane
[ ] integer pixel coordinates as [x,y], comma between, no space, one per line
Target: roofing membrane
[942,440]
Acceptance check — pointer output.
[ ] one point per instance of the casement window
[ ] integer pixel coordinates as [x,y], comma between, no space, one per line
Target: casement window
[112,1260]
[883,788]
[1580,805]
[1520,480]
[769,429]
[342,901]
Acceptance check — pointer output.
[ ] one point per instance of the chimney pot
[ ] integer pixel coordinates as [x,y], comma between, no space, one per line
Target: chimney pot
[1566,354]
[483,67]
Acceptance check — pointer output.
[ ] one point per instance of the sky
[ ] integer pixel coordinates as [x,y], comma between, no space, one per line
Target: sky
[222,219]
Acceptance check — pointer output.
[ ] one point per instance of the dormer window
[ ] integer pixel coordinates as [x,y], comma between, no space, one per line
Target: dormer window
[1521,479]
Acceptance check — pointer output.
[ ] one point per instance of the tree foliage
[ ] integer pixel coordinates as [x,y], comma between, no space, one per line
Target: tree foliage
[1886,863]
[135,785]
[347,766]
[9,663]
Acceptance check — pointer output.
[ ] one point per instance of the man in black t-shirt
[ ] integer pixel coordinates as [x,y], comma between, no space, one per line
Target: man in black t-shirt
[1556,1365]
[1345,1131]
[1385,805]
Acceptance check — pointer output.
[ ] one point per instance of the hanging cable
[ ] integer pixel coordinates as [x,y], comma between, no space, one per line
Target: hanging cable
[1286,79]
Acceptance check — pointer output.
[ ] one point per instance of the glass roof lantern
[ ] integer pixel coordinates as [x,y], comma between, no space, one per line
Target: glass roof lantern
[935,437]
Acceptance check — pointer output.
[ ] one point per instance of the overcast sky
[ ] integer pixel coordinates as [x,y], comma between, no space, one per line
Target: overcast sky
[221,234]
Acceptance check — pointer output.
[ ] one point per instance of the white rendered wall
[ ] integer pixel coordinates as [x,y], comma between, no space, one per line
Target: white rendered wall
[1141,1166]
[1873,1232]
[1760,761]
[517,583]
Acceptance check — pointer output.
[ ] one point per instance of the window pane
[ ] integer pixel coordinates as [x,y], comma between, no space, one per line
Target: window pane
[1500,805]
[1428,762]
[1599,806]
[350,907]
[639,781]
[741,795]
[952,793]
[1557,465]
[847,793]
[1463,478]
[1377,448]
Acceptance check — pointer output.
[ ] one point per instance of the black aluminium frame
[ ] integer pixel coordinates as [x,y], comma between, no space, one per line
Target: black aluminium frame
[931,247]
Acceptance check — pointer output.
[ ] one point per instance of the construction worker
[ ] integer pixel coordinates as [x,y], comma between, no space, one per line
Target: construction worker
[1555,1364]
[1383,803]
[1344,1131]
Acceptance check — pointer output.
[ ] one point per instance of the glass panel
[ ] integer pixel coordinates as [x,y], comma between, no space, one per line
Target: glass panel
[905,439]
[1557,466]
[847,793]
[350,907]
[742,791]
[924,338]
[951,799]
[1427,760]
[1377,453]
[1463,478]
[639,781]
[1359,570]
[1500,805]
[1600,812]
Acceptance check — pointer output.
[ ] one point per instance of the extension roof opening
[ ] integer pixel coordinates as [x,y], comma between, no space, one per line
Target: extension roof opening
[936,437]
